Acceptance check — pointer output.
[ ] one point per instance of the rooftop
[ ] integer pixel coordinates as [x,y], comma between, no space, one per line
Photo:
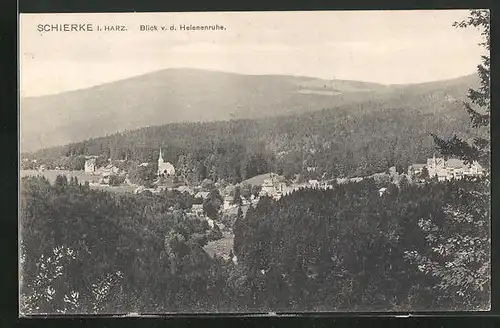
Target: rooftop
[456,163]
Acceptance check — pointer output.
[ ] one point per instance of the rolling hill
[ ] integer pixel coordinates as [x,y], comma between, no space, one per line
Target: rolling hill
[189,95]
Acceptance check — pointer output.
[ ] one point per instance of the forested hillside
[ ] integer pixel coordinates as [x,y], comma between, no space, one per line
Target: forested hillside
[189,95]
[174,95]
[350,140]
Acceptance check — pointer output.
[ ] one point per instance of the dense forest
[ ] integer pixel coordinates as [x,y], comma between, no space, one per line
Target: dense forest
[351,250]
[93,251]
[340,142]
[89,251]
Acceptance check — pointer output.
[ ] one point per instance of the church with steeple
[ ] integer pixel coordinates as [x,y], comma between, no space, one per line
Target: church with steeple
[165,169]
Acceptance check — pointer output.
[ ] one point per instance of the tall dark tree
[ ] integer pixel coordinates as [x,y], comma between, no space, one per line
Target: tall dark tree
[478,103]
[459,243]
[237,196]
[425,173]
[212,204]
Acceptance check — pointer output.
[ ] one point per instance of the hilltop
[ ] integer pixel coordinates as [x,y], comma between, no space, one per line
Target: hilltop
[190,95]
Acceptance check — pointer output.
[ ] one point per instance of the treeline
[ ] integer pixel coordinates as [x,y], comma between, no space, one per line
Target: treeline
[342,142]
[415,247]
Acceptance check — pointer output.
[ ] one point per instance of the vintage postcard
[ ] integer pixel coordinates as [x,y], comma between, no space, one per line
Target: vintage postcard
[254,162]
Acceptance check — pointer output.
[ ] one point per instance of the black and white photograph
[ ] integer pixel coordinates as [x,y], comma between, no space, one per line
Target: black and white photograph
[254,162]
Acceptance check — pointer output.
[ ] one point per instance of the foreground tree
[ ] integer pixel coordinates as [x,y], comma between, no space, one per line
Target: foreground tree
[457,250]
[478,103]
[459,244]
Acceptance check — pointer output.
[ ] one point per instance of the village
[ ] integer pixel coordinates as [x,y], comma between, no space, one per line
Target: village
[112,174]
[235,199]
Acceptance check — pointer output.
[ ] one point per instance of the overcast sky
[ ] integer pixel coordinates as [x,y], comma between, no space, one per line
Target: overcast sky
[378,46]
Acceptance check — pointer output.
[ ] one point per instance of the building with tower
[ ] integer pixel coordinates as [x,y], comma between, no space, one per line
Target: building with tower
[436,167]
[451,168]
[165,169]
[90,165]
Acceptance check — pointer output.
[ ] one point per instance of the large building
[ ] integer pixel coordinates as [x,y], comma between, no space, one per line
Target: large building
[90,165]
[446,169]
[165,169]
[437,167]
[272,187]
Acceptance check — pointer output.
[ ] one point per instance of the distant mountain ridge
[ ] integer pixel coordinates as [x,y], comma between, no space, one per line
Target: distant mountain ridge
[190,95]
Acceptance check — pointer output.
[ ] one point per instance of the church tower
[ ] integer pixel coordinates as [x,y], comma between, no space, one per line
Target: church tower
[165,168]
[160,158]
[160,163]
[431,165]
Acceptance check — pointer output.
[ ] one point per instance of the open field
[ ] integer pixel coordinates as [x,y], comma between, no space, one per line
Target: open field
[258,180]
[221,247]
[82,177]
[121,188]
[51,175]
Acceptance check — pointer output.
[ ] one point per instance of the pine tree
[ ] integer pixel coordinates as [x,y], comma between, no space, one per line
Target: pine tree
[425,173]
[237,196]
[238,231]
[459,246]
[478,103]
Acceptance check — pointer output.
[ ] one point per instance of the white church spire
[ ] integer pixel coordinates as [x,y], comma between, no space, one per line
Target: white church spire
[164,168]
